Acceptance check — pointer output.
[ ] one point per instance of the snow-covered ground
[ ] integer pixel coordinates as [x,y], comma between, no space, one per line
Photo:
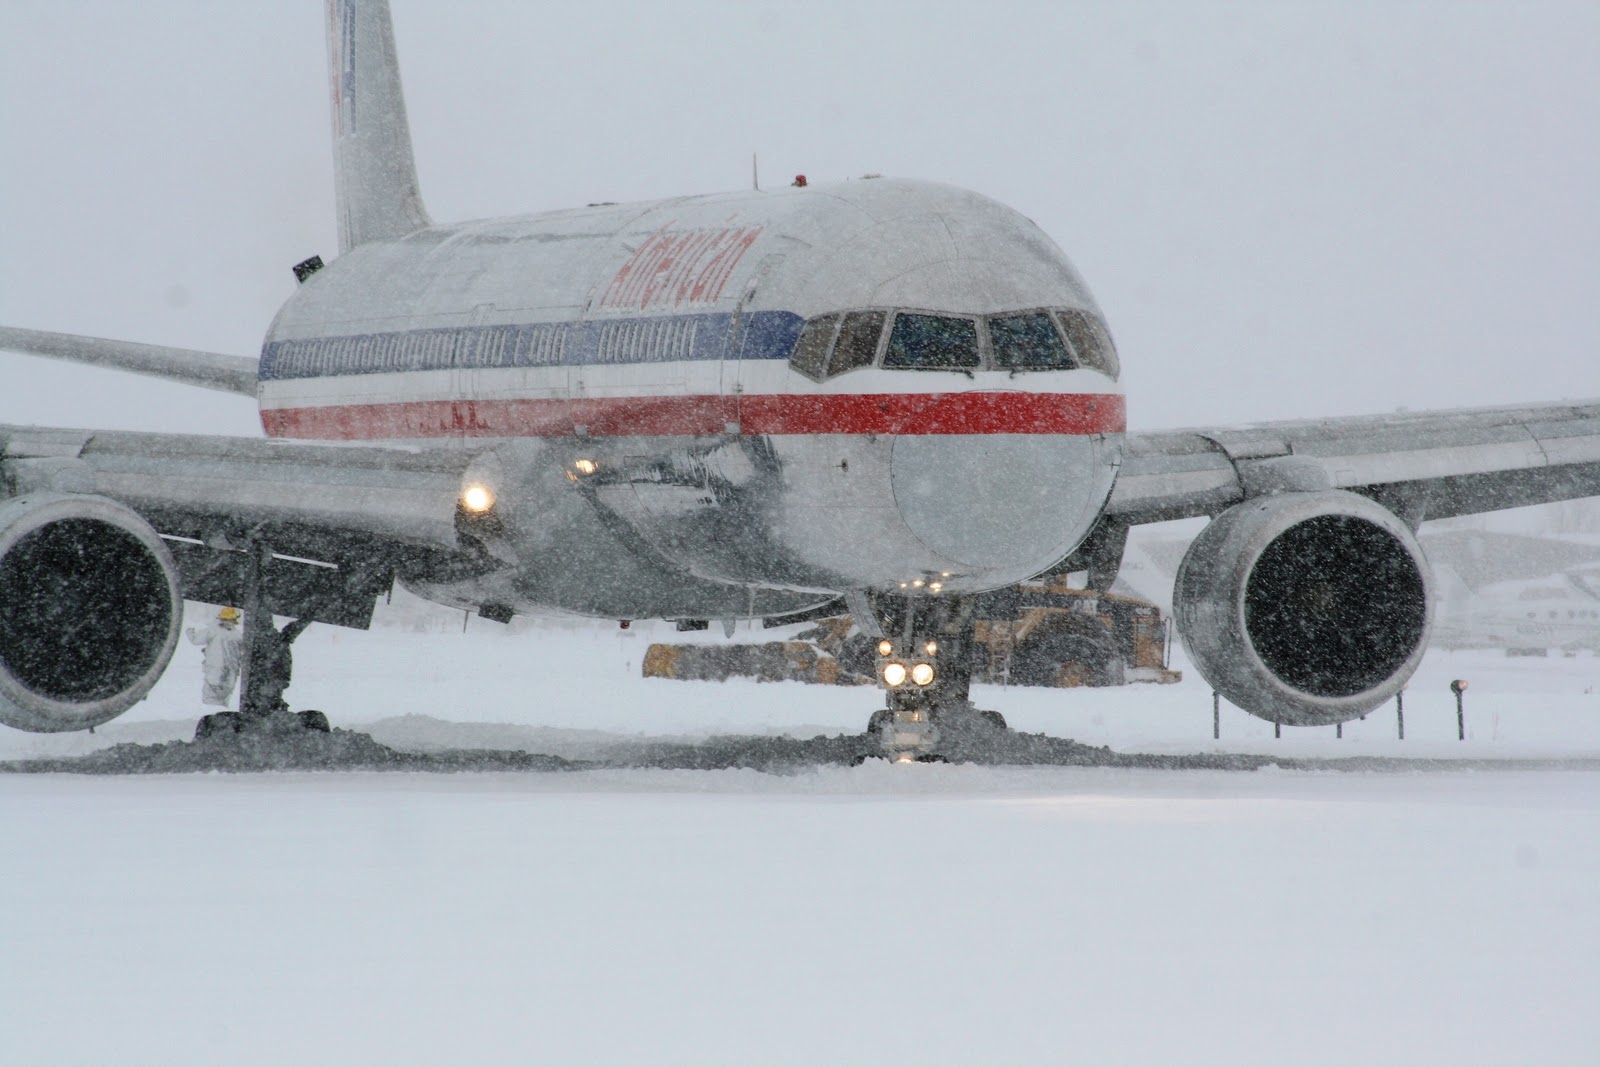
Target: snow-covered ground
[925,914]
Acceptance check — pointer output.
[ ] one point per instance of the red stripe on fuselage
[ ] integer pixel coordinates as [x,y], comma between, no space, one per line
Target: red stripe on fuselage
[674,416]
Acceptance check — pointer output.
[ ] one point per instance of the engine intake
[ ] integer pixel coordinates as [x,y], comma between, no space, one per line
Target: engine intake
[89,611]
[1305,608]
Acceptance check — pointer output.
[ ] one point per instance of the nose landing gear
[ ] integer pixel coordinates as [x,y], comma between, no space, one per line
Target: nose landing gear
[925,667]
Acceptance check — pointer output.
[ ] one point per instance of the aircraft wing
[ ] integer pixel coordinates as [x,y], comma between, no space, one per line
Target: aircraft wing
[342,521]
[1421,465]
[211,370]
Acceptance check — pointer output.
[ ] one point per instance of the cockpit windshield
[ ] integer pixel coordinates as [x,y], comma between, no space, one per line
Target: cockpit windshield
[858,341]
[932,342]
[1041,339]
[1090,340]
[1028,342]
[810,356]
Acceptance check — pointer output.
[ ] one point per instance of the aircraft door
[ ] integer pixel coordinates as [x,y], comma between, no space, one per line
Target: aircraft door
[753,338]
[466,366]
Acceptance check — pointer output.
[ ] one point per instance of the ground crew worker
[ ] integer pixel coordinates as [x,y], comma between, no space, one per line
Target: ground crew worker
[224,645]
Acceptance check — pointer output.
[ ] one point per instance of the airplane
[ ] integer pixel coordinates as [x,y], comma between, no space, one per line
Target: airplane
[881,396]
[1525,617]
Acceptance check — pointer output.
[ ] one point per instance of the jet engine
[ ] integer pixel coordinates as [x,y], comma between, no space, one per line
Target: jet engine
[89,611]
[1307,608]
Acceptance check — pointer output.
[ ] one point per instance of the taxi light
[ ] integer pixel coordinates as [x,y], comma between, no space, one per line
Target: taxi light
[477,498]
[885,647]
[586,466]
[931,648]
[922,674]
[894,674]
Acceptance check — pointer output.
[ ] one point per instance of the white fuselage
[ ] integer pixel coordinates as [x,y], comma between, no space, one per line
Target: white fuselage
[742,404]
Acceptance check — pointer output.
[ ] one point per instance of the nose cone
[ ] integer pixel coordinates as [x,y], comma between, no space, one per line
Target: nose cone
[1005,506]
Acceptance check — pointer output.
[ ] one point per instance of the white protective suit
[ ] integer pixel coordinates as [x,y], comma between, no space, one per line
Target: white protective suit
[220,666]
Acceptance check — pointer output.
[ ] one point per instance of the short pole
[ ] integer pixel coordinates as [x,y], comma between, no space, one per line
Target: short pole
[1338,729]
[1277,728]
[1400,712]
[1458,687]
[1216,716]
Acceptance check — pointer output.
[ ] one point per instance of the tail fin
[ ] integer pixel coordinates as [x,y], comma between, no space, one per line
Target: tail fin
[375,175]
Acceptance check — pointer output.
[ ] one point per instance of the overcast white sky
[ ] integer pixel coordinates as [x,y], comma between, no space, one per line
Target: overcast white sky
[1286,210]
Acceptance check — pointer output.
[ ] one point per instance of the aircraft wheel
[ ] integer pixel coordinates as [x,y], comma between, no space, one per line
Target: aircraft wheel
[221,722]
[314,720]
[993,718]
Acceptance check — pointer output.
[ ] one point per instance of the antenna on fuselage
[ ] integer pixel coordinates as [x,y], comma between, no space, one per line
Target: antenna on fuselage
[375,174]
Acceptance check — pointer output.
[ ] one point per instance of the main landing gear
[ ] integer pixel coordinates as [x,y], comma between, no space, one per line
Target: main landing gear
[265,671]
[925,661]
[268,667]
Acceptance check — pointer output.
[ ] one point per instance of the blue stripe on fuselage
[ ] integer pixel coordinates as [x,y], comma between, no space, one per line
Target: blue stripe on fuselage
[653,339]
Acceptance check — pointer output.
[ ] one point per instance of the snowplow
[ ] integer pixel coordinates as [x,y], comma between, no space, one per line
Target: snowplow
[1031,634]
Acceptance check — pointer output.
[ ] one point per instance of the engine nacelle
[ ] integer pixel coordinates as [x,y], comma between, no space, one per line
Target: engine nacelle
[1305,608]
[89,611]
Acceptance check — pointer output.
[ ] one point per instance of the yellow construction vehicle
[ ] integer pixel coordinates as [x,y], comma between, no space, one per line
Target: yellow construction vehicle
[1034,634]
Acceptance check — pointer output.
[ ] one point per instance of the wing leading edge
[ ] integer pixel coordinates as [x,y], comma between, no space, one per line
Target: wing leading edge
[342,521]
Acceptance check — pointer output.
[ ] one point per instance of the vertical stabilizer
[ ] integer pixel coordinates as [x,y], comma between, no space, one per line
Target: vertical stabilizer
[375,175]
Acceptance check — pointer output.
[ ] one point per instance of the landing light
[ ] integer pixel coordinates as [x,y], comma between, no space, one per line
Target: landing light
[477,498]
[922,674]
[885,647]
[586,466]
[894,674]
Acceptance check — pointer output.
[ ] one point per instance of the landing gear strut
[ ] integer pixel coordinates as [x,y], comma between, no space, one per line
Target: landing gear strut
[925,662]
[265,671]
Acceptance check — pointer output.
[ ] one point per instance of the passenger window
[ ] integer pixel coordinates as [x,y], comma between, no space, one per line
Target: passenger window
[1090,341]
[1028,342]
[932,342]
[858,341]
[811,350]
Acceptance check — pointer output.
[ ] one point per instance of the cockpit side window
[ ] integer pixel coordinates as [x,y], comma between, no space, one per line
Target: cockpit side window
[932,342]
[810,355]
[1090,341]
[1028,342]
[858,341]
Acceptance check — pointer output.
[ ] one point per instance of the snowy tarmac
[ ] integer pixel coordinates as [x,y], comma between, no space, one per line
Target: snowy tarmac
[879,914]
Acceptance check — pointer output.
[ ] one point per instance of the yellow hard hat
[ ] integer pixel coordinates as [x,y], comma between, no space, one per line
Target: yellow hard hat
[228,615]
